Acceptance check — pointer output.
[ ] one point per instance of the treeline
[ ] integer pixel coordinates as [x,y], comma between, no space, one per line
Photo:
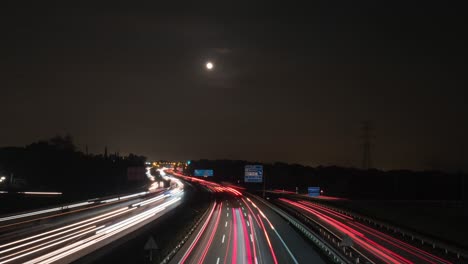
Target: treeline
[345,182]
[57,165]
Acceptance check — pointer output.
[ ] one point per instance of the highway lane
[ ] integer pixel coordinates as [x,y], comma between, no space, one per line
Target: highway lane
[238,230]
[35,221]
[377,246]
[68,237]
[296,243]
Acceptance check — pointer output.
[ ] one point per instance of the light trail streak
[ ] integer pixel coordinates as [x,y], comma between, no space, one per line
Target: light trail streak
[195,241]
[210,240]
[39,212]
[334,213]
[133,195]
[76,205]
[113,213]
[42,193]
[400,244]
[99,236]
[246,239]
[30,214]
[253,240]
[110,200]
[48,246]
[358,237]
[228,243]
[276,232]
[90,229]
[416,252]
[268,241]
[234,242]
[250,210]
[44,244]
[152,200]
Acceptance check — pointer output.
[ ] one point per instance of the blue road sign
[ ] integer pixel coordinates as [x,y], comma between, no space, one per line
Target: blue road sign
[313,191]
[204,173]
[253,173]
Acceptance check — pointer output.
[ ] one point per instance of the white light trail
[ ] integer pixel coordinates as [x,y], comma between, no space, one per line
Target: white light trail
[133,195]
[76,205]
[152,200]
[42,193]
[110,200]
[48,246]
[91,201]
[101,235]
[100,217]
[43,244]
[92,229]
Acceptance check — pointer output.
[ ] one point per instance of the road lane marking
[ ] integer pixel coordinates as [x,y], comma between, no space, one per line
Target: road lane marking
[187,253]
[234,243]
[222,241]
[251,238]
[248,223]
[284,244]
[245,214]
[225,224]
[227,214]
[217,261]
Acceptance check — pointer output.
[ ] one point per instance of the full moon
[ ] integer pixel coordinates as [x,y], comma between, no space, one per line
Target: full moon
[209,65]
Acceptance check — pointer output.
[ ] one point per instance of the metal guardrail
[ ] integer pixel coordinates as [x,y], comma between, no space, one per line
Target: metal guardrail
[458,252]
[330,251]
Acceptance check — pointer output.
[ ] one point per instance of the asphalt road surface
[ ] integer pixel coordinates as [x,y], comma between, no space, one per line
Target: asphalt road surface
[375,245]
[64,234]
[238,229]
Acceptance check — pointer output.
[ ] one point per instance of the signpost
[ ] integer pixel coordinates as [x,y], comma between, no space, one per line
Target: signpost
[203,173]
[150,246]
[254,173]
[313,191]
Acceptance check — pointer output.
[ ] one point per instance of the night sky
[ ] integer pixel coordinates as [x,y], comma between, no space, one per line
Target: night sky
[290,83]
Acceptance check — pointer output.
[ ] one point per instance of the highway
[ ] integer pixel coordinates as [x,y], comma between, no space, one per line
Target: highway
[64,234]
[376,246]
[238,229]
